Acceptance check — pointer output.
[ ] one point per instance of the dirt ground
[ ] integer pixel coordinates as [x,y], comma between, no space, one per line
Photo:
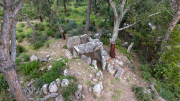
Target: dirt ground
[113,89]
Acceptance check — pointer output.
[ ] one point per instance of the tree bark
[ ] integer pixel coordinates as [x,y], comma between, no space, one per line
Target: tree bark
[112,51]
[88,15]
[14,84]
[64,3]
[13,41]
[7,66]
[39,15]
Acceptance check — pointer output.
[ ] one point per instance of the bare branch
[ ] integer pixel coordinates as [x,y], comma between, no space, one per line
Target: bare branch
[169,13]
[125,11]
[18,6]
[127,26]
[154,14]
[114,9]
[121,9]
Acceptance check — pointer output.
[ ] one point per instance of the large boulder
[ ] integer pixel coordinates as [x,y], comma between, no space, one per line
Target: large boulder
[65,83]
[98,35]
[94,62]
[97,53]
[111,69]
[53,87]
[88,47]
[33,57]
[75,53]
[97,89]
[73,41]
[103,61]
[86,59]
[45,88]
[119,73]
[84,38]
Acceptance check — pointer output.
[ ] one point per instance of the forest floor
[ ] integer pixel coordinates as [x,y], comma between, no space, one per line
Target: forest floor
[113,89]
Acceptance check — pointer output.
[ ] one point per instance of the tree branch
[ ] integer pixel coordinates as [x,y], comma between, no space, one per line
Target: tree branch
[122,7]
[114,9]
[154,14]
[169,13]
[18,6]
[127,26]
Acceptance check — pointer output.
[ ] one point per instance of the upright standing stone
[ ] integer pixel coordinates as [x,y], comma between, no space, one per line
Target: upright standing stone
[94,62]
[73,41]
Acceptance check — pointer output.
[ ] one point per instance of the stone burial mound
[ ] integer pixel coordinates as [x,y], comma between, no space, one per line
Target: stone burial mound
[79,46]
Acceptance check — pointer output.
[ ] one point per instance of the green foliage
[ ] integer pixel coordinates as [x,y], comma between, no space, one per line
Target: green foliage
[20,36]
[18,60]
[39,26]
[105,40]
[29,67]
[3,83]
[67,91]
[144,94]
[19,29]
[25,57]
[160,70]
[34,73]
[21,25]
[58,35]
[146,75]
[75,32]
[20,49]
[71,25]
[68,77]
[146,71]
[37,45]
[92,28]
[6,97]
[118,43]
[49,32]
[124,51]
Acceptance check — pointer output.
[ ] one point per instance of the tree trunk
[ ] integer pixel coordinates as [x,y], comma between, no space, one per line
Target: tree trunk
[13,42]
[95,7]
[50,21]
[108,11]
[14,84]
[88,15]
[41,20]
[64,3]
[7,66]
[112,51]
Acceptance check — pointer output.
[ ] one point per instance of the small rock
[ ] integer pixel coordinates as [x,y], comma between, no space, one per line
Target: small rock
[94,80]
[97,89]
[65,83]
[86,59]
[103,63]
[53,87]
[50,59]
[79,63]
[94,70]
[94,62]
[132,67]
[80,87]
[90,75]
[125,44]
[47,56]
[77,95]
[97,35]
[99,74]
[119,63]
[33,57]
[101,85]
[83,96]
[59,98]
[58,81]
[90,89]
[45,88]
[49,68]
[66,72]
[119,73]
[79,73]
[111,69]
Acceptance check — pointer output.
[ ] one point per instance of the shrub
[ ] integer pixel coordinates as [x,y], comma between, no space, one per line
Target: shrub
[146,75]
[92,28]
[105,40]
[34,73]
[20,39]
[39,26]
[105,33]
[3,83]
[21,25]
[18,60]
[58,35]
[42,38]
[5,96]
[76,32]
[63,20]
[25,57]
[49,32]
[20,49]
[71,25]
[144,94]
[160,70]
[37,45]
[67,91]
[118,43]
[19,29]
[29,67]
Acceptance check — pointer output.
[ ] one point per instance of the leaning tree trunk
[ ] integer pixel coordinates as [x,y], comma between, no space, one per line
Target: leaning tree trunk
[7,66]
[88,15]
[34,30]
[64,3]
[39,15]
[170,28]
[13,41]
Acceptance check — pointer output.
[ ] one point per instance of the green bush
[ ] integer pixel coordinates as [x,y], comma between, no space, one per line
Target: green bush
[20,49]
[34,73]
[58,35]
[19,39]
[49,32]
[39,26]
[67,91]
[75,32]
[144,94]
[146,75]
[25,57]
[37,45]
[19,29]
[3,83]
[118,43]
[92,28]
[21,25]
[63,20]
[71,25]
[105,40]
[29,67]
[160,70]
[18,60]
